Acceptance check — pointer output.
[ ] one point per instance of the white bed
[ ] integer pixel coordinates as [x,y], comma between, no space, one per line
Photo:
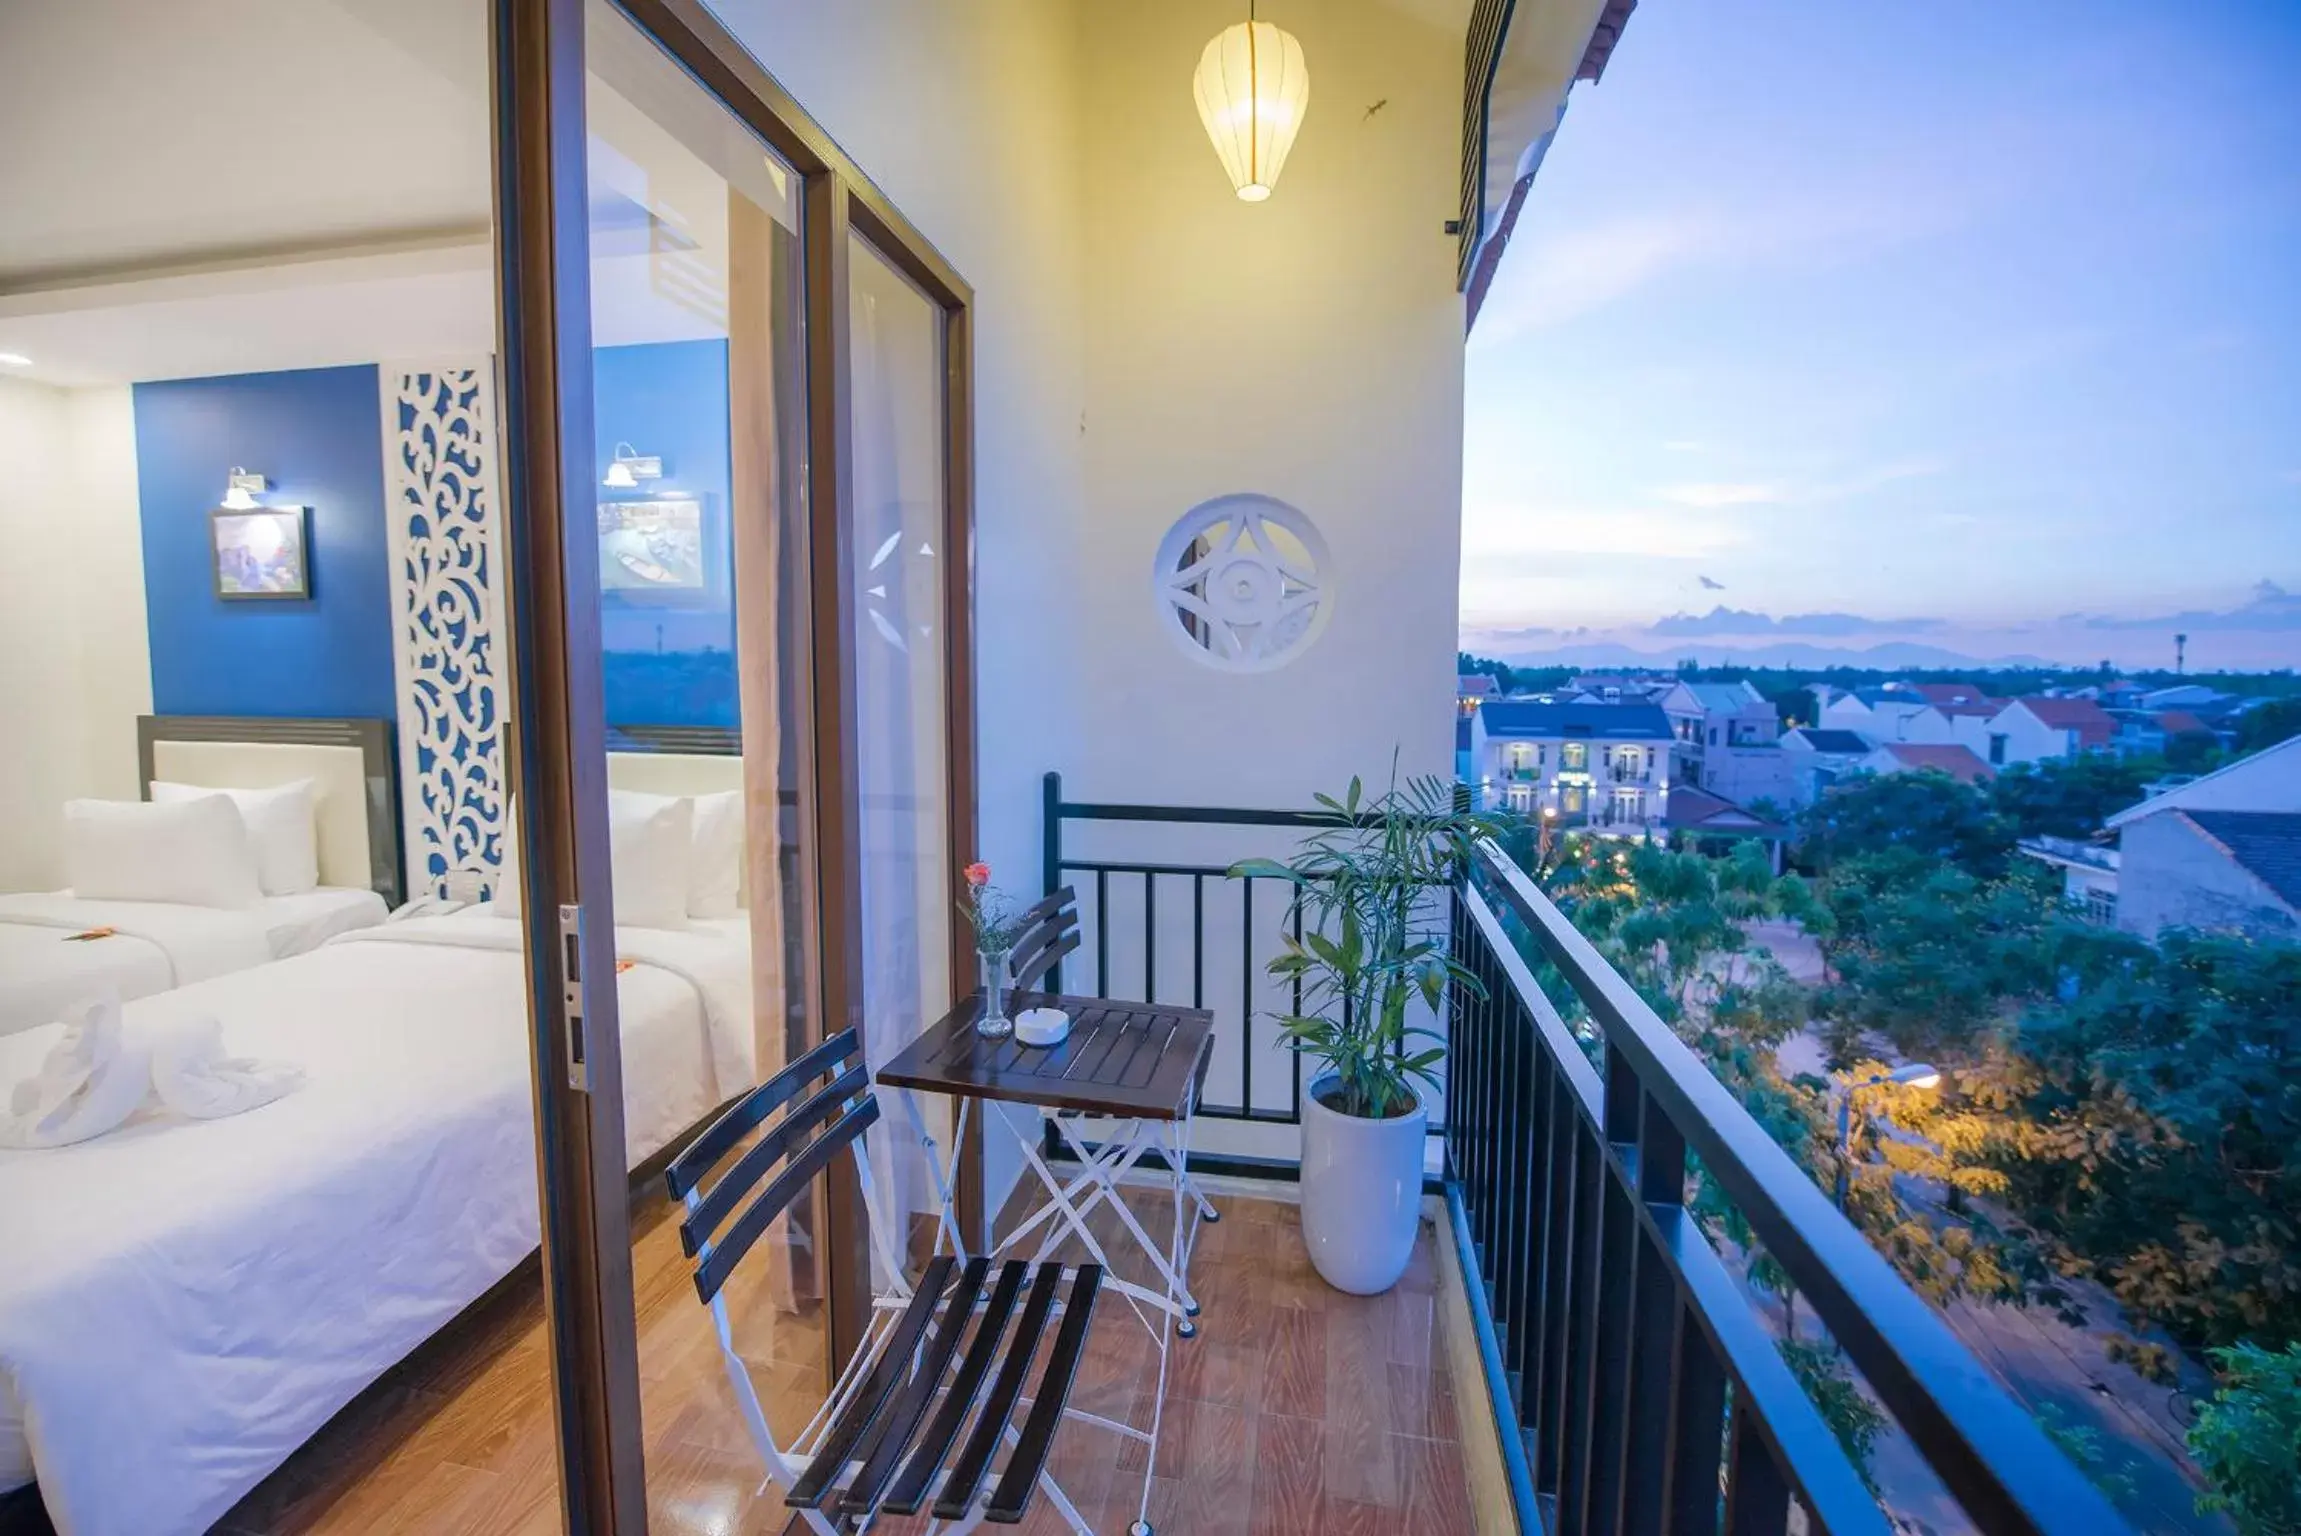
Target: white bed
[185,1302]
[156,945]
[153,945]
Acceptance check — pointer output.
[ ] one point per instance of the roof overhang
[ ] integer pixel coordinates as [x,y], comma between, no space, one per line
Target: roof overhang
[1541,49]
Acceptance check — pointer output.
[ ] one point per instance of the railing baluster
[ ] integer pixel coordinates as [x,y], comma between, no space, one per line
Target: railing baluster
[1697,1431]
[1294,1072]
[1510,1277]
[1610,1324]
[1150,937]
[1557,1275]
[1198,943]
[1533,1114]
[1102,933]
[1653,1314]
[1757,1495]
[1579,1325]
[1246,996]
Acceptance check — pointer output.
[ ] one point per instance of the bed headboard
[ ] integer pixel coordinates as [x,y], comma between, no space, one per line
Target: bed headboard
[350,762]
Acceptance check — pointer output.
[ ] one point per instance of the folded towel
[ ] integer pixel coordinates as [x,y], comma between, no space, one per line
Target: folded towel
[90,1082]
[194,1077]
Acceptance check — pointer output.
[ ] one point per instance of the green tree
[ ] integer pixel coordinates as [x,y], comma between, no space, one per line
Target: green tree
[1928,814]
[2247,1440]
[2265,725]
[2070,796]
[1928,955]
[2144,1116]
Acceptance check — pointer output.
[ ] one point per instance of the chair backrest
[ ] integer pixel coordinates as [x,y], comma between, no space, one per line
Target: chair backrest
[1050,931]
[821,1124]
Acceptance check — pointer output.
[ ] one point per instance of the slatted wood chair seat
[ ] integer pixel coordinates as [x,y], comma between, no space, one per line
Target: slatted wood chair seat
[927,1404]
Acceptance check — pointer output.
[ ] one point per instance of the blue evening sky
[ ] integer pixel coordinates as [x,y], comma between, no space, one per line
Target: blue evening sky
[1976,325]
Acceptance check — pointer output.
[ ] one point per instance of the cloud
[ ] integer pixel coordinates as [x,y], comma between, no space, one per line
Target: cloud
[2271,607]
[1537,533]
[1711,586]
[1689,445]
[1722,620]
[1795,492]
[1716,495]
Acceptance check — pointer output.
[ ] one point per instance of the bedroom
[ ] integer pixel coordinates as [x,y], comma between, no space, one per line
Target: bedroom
[269,1107]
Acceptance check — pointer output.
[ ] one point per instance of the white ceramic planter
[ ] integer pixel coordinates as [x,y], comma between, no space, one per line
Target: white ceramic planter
[1361,1193]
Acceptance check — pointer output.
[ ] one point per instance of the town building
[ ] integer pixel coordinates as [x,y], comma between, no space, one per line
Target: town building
[1819,756]
[2089,874]
[2217,871]
[1959,762]
[1472,689]
[1601,766]
[2037,728]
[2217,852]
[1892,713]
[1729,741]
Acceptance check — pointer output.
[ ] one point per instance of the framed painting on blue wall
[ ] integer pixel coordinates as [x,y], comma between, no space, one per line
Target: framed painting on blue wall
[652,545]
[261,552]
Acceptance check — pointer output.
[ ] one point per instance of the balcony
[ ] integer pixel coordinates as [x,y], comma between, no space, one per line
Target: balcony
[1625,1381]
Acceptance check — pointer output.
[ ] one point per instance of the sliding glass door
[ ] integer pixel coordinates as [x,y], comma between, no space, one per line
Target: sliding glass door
[739,517]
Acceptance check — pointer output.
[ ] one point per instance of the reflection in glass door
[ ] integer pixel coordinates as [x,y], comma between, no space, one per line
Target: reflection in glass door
[698,414]
[901,571]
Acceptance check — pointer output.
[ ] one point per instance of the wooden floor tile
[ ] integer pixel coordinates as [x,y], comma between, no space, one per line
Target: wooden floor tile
[1296,1410]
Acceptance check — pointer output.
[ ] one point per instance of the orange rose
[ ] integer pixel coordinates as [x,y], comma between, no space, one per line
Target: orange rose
[978,875]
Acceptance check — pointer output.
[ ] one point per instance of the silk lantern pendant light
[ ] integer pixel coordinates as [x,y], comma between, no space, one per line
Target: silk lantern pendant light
[1252,90]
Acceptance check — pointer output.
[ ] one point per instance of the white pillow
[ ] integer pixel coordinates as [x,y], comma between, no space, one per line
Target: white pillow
[195,852]
[282,826]
[650,840]
[718,872]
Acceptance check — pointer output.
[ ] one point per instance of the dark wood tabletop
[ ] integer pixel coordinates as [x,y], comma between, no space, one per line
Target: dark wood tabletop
[1139,1060]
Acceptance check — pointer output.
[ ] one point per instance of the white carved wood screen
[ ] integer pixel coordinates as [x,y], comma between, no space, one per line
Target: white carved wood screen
[440,450]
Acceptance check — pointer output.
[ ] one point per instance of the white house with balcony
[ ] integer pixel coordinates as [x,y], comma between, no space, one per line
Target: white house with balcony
[1729,741]
[1601,766]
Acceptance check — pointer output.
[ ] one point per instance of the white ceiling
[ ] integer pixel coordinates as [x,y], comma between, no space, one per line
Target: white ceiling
[149,130]
[226,186]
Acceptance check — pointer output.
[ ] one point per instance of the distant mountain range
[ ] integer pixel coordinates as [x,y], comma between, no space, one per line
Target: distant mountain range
[1788,653]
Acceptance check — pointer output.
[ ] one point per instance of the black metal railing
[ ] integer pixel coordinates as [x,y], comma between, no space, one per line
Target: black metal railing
[1649,1395]
[1127,925]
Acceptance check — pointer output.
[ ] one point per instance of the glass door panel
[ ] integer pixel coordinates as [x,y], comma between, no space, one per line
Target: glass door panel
[901,690]
[699,428]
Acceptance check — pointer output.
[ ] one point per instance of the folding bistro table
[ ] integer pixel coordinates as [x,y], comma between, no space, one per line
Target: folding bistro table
[1138,1065]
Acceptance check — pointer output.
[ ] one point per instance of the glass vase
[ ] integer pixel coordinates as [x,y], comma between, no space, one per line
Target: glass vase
[994,1024]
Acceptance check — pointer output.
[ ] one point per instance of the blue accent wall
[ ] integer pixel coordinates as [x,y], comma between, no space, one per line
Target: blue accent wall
[316,433]
[670,656]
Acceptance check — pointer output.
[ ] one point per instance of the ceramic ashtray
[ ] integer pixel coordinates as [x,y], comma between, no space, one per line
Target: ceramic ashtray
[1042,1026]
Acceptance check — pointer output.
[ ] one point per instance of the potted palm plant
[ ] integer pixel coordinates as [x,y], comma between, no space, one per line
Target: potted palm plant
[1370,893]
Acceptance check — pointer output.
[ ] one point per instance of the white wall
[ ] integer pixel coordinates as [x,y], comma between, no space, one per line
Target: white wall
[75,667]
[1308,347]
[967,116]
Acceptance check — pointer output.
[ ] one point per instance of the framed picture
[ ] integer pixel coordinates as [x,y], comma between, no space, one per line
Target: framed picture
[261,553]
[655,545]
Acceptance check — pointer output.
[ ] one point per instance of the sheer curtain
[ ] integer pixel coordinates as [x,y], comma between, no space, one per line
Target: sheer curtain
[907,888]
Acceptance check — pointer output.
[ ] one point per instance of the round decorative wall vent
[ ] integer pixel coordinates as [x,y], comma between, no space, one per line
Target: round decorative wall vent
[1243,582]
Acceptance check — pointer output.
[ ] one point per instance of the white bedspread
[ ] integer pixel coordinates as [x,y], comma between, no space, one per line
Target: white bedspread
[157,945]
[184,1303]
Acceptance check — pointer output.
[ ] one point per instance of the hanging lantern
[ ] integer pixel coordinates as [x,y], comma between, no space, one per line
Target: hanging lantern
[1252,89]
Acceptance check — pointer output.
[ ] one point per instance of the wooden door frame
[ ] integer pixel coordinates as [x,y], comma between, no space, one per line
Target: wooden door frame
[556,753]
[559,753]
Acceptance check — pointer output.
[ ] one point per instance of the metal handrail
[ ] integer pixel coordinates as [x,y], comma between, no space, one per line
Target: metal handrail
[1989,1452]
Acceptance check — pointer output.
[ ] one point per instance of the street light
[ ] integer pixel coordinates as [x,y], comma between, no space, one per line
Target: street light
[1917,1074]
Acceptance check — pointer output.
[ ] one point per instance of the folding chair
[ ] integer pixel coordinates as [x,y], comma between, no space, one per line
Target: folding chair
[879,1443]
[1051,932]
